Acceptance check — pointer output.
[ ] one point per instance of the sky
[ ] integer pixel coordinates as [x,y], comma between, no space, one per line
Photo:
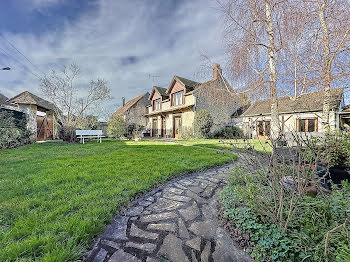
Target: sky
[120,41]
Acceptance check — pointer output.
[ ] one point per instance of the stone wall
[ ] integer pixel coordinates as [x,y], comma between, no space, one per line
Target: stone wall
[136,114]
[221,103]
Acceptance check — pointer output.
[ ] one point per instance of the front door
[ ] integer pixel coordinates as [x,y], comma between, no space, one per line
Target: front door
[177,126]
[263,129]
[155,127]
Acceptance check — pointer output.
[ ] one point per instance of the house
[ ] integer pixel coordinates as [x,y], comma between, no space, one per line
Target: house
[171,111]
[134,110]
[40,114]
[303,114]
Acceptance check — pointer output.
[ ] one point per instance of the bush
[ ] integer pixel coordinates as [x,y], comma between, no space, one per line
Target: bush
[229,132]
[13,132]
[89,122]
[202,124]
[117,127]
[305,237]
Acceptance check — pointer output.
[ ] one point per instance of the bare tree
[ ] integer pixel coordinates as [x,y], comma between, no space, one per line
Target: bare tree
[72,103]
[254,39]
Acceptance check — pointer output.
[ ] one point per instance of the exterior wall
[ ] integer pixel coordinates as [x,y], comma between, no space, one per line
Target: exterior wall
[218,101]
[176,88]
[136,114]
[290,120]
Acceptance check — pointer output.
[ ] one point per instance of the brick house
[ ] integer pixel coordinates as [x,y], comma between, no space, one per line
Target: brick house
[171,111]
[134,110]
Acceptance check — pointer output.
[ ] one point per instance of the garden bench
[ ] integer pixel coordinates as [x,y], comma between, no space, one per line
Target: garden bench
[82,134]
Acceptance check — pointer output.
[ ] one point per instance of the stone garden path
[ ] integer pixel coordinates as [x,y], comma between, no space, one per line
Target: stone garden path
[176,222]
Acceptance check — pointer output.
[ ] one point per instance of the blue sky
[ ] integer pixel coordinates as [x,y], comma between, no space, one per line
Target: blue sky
[120,41]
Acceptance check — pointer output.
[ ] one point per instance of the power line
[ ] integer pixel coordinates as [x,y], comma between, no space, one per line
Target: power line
[25,67]
[20,52]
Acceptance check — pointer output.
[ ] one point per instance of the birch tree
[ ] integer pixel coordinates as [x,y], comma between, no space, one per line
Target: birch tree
[254,40]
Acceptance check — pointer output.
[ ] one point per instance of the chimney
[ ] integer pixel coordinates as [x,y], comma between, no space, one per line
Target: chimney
[123,101]
[217,71]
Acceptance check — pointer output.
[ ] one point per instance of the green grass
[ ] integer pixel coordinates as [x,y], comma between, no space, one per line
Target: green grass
[259,145]
[56,197]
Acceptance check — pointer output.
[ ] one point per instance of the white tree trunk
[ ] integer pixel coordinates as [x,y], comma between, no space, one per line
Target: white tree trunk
[326,67]
[275,123]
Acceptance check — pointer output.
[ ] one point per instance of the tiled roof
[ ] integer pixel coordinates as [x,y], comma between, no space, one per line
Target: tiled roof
[3,99]
[310,102]
[162,91]
[31,99]
[128,105]
[188,83]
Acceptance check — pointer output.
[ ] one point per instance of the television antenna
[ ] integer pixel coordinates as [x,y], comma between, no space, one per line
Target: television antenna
[153,77]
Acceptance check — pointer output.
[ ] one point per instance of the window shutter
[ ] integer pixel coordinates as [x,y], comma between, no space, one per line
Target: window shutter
[316,124]
[297,125]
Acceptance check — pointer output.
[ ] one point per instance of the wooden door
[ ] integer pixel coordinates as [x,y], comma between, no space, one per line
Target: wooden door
[177,126]
[154,127]
[44,128]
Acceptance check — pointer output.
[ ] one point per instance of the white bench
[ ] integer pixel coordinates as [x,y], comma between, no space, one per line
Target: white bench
[82,134]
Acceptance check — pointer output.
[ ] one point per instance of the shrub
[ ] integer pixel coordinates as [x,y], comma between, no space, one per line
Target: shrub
[89,122]
[117,127]
[13,132]
[229,132]
[187,133]
[202,124]
[247,205]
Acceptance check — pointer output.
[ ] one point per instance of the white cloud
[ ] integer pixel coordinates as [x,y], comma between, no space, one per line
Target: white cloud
[163,40]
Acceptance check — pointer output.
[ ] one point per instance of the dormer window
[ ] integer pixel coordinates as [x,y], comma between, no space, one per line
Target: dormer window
[156,104]
[177,98]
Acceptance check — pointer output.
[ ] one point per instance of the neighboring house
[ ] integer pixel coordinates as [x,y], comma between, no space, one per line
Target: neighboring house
[301,115]
[134,110]
[172,110]
[40,114]
[3,99]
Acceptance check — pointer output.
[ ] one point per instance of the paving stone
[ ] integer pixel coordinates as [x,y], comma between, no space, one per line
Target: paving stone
[109,243]
[172,249]
[134,211]
[196,197]
[177,197]
[183,232]
[190,213]
[194,259]
[158,217]
[151,259]
[196,189]
[208,212]
[179,186]
[101,255]
[148,247]
[194,243]
[206,252]
[151,199]
[166,204]
[164,227]
[174,190]
[117,230]
[121,256]
[205,229]
[225,250]
[137,232]
[208,192]
[144,203]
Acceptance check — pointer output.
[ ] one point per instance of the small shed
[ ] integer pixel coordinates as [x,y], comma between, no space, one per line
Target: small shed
[40,115]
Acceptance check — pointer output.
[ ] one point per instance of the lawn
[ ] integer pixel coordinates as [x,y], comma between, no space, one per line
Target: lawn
[259,145]
[56,197]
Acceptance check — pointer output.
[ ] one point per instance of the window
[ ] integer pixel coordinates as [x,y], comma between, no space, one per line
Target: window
[177,98]
[156,104]
[307,125]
